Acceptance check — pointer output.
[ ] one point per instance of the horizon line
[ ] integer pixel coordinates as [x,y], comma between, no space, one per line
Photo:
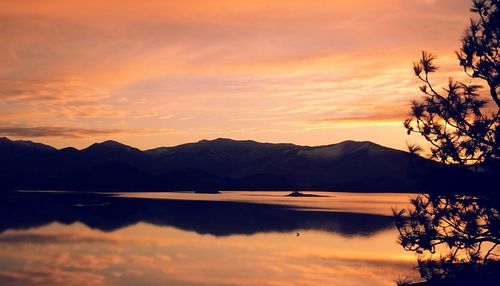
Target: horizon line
[195,142]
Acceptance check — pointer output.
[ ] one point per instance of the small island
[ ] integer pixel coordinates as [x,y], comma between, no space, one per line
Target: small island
[296,193]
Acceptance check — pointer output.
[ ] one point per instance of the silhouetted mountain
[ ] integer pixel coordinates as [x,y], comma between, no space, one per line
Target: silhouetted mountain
[7,145]
[215,164]
[110,149]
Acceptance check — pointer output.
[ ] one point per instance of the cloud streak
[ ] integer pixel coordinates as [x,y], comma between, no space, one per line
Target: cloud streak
[222,65]
[69,132]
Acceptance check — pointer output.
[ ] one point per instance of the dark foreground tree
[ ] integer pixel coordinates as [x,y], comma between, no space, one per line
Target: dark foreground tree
[456,236]
[462,126]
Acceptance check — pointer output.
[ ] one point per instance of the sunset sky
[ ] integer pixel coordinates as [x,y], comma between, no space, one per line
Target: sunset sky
[160,73]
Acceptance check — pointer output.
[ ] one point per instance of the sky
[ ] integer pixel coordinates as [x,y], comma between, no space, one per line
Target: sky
[161,73]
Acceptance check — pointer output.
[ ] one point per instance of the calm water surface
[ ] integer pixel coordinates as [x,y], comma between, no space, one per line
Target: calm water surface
[234,238]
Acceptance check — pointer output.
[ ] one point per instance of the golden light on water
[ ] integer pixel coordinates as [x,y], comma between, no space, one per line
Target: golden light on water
[348,252]
[163,255]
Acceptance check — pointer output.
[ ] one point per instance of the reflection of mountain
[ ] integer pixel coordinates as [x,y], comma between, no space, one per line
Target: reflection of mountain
[217,164]
[28,210]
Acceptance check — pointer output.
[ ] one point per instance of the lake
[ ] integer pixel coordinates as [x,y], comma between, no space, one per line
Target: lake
[232,238]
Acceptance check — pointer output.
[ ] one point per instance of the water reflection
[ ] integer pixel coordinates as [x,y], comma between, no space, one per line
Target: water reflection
[147,255]
[218,218]
[92,239]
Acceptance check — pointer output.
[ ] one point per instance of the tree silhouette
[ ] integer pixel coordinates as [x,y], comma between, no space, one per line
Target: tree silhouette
[456,236]
[463,231]
[461,126]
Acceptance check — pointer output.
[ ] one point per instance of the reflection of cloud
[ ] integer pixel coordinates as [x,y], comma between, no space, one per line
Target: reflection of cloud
[87,262]
[366,260]
[147,255]
[49,276]
[52,238]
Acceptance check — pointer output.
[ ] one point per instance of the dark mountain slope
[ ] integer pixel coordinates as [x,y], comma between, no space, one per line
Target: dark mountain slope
[218,164]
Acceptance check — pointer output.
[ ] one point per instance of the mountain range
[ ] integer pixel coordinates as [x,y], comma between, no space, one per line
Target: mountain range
[220,164]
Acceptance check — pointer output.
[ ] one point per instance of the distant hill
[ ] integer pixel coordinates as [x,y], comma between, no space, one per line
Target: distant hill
[209,164]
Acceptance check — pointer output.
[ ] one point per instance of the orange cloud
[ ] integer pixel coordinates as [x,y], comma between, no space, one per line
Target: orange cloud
[218,66]
[69,132]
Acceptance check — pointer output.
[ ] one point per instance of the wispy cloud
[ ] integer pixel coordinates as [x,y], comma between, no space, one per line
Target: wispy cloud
[60,91]
[256,66]
[69,132]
